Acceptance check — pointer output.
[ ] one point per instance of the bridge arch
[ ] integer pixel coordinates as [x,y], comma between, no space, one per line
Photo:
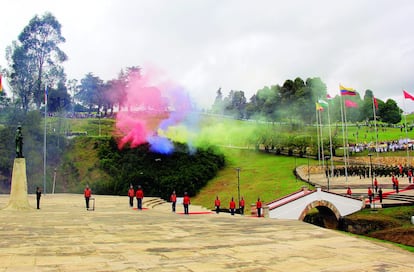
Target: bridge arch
[326,209]
[331,206]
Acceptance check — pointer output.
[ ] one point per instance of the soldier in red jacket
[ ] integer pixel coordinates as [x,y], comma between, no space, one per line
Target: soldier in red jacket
[217,204]
[139,195]
[186,202]
[232,206]
[173,199]
[259,207]
[87,193]
[370,195]
[396,185]
[241,205]
[131,194]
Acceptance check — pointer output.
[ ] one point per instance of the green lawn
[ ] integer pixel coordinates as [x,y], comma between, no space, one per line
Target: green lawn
[262,175]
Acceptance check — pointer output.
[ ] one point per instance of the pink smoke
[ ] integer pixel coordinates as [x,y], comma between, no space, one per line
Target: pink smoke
[145,101]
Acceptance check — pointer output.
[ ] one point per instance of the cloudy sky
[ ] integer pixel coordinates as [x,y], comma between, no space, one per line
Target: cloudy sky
[234,44]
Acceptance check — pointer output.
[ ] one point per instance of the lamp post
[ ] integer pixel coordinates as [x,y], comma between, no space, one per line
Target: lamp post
[296,176]
[327,171]
[372,177]
[157,176]
[238,184]
[308,167]
[54,181]
[99,118]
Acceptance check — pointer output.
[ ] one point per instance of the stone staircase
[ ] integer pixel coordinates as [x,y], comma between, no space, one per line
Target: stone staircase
[153,202]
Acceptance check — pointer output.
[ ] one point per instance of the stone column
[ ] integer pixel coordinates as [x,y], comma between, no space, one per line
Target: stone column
[18,194]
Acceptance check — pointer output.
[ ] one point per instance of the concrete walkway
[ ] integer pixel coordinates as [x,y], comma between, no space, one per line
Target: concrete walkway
[64,236]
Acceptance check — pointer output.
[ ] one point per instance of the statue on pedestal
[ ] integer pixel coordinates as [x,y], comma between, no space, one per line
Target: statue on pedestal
[19,142]
[18,193]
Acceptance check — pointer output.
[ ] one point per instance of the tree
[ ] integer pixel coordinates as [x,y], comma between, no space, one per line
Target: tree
[390,112]
[72,85]
[235,104]
[20,75]
[218,102]
[366,110]
[58,99]
[90,91]
[268,102]
[36,58]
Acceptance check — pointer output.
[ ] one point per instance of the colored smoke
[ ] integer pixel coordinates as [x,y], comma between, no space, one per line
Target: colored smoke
[150,110]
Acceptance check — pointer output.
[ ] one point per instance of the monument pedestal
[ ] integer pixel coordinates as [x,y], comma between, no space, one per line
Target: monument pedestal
[18,194]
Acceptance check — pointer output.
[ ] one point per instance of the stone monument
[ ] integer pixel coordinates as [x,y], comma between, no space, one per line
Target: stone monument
[18,193]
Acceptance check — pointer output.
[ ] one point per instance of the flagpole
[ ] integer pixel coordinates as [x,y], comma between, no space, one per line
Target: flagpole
[330,142]
[317,134]
[406,133]
[343,138]
[375,125]
[321,101]
[321,138]
[44,145]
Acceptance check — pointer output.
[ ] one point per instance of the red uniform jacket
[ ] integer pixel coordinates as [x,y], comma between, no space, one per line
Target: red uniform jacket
[140,193]
[232,204]
[87,192]
[186,199]
[173,198]
[131,192]
[241,203]
[217,203]
[259,204]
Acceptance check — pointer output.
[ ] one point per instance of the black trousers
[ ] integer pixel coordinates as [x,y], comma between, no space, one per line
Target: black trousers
[139,200]
[87,202]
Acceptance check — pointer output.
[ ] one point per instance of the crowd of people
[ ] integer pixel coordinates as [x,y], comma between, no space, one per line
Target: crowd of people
[377,171]
[389,146]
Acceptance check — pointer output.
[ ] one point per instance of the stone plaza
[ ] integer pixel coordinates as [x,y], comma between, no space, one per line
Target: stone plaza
[64,236]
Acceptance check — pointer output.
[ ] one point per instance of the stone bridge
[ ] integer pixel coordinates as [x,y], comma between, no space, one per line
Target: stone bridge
[330,205]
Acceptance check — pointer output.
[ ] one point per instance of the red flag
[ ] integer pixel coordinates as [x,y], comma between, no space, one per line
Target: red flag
[407,95]
[375,103]
[351,104]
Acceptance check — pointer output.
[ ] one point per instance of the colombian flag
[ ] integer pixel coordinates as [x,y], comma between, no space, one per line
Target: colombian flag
[346,91]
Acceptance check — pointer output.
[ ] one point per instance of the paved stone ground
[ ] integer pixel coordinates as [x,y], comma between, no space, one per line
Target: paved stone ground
[64,236]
